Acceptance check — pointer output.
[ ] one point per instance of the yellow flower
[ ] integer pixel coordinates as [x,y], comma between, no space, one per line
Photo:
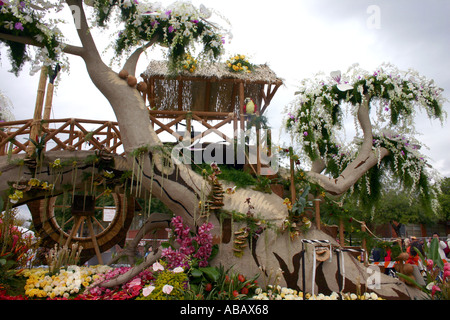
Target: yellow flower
[34,182]
[56,163]
[46,186]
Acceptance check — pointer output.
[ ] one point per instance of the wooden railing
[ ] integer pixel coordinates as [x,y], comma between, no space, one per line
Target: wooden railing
[79,134]
[60,134]
[200,117]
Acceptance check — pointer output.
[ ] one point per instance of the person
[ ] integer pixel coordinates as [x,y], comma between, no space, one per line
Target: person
[447,249]
[413,256]
[441,247]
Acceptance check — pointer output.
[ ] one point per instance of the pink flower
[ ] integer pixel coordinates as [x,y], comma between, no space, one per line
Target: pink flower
[170,29]
[18,26]
[446,274]
[147,290]
[135,282]
[434,289]
[157,267]
[167,289]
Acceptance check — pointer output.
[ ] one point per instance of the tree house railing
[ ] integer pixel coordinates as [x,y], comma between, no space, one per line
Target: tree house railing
[200,117]
[60,134]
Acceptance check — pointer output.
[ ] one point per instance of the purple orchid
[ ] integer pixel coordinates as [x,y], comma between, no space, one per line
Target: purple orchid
[336,75]
[18,26]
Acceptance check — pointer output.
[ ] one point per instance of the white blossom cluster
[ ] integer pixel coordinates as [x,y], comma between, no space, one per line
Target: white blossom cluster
[181,20]
[37,14]
[394,98]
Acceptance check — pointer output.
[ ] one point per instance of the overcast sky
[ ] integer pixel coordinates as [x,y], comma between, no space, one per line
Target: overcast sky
[296,39]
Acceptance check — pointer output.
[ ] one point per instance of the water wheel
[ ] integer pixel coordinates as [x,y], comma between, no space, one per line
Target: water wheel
[79,219]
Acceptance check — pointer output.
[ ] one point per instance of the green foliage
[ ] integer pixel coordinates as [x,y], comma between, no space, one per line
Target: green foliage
[176,27]
[217,283]
[444,200]
[239,178]
[167,277]
[18,19]
[315,117]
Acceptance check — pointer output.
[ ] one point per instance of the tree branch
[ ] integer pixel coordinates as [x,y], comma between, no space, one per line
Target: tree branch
[67,48]
[131,63]
[84,33]
[121,279]
[365,159]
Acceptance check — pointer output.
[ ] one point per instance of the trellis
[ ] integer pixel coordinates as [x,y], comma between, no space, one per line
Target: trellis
[60,134]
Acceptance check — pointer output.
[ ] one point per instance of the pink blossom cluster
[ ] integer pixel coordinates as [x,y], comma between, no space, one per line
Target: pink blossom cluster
[180,257]
[204,240]
[128,290]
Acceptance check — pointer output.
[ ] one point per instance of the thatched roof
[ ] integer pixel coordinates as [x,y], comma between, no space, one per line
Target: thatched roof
[210,88]
[261,73]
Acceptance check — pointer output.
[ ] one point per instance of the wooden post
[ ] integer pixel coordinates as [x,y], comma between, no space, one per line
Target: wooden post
[317,207]
[94,241]
[341,232]
[292,177]
[48,103]
[34,131]
[363,242]
[241,105]
[258,147]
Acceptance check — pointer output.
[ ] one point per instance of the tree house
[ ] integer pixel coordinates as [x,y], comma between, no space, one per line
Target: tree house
[212,96]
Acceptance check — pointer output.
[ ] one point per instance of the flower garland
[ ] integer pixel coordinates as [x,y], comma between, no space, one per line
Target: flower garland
[175,27]
[19,19]
[316,116]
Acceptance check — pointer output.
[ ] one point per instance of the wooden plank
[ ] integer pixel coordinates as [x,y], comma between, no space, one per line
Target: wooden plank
[269,98]
[171,123]
[94,241]
[162,125]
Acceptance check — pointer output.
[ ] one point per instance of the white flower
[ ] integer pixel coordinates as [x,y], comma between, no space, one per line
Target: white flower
[9,25]
[205,12]
[126,3]
[167,289]
[178,270]
[147,290]
[157,266]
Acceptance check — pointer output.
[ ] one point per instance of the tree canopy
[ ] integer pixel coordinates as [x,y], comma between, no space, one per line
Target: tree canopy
[25,24]
[384,104]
